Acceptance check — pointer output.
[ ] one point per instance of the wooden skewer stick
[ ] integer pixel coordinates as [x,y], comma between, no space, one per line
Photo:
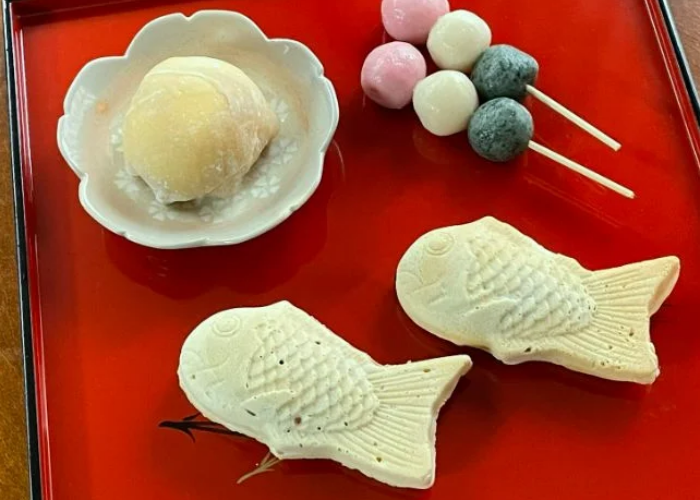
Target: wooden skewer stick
[598,134]
[580,169]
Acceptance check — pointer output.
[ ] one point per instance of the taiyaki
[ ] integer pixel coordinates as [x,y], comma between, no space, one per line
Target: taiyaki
[278,375]
[487,285]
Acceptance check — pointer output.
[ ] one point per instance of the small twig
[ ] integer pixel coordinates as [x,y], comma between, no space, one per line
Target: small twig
[189,424]
[265,465]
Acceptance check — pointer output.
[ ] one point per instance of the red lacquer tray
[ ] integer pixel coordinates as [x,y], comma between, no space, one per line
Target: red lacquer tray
[104,319]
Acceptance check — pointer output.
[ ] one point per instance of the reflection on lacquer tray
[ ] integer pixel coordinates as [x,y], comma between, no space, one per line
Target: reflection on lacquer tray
[275,256]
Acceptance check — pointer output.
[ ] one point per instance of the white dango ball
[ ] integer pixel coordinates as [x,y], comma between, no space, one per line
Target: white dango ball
[458,39]
[445,101]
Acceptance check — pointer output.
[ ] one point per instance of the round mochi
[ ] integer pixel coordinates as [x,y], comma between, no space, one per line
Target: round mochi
[504,71]
[391,72]
[195,127]
[411,20]
[445,101]
[458,39]
[501,129]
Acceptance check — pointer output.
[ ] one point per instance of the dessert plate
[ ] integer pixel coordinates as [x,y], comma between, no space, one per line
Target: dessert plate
[285,176]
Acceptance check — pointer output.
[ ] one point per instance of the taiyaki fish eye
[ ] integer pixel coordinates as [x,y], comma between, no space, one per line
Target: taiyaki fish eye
[227,325]
[439,243]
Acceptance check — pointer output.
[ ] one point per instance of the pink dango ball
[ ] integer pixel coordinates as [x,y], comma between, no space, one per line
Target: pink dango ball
[391,72]
[411,20]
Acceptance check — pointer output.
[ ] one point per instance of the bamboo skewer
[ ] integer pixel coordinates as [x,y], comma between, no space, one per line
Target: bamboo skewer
[580,169]
[595,132]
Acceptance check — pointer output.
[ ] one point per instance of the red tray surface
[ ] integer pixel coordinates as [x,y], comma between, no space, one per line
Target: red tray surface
[110,316]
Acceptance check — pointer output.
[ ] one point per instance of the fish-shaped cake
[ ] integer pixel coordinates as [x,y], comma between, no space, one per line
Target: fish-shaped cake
[279,376]
[487,285]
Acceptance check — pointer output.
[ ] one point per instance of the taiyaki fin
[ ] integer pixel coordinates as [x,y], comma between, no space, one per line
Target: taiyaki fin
[647,283]
[264,406]
[398,446]
[617,344]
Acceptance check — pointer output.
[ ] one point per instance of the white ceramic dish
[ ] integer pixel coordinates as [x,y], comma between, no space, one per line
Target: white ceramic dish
[288,173]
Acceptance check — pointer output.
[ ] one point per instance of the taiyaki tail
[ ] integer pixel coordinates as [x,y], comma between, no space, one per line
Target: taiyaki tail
[617,344]
[398,446]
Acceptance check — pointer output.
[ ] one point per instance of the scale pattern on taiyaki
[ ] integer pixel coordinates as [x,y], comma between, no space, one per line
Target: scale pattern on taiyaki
[548,298]
[331,392]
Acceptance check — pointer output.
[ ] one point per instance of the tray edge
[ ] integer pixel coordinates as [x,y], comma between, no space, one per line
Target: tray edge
[681,58]
[31,407]
[31,412]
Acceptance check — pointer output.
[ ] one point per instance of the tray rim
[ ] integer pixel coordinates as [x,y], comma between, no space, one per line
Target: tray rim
[36,472]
